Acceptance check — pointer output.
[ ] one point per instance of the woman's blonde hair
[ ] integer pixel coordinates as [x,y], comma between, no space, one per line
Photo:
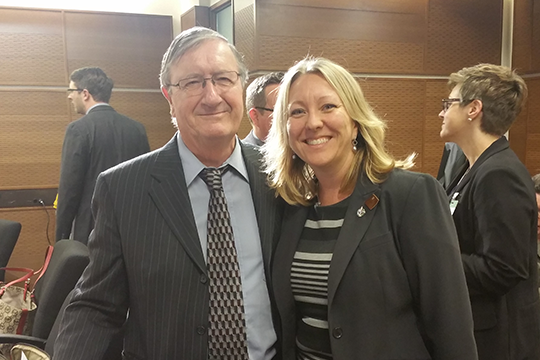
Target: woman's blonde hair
[292,178]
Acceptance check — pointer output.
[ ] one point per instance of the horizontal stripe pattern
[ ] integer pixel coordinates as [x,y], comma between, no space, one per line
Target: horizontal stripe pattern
[309,279]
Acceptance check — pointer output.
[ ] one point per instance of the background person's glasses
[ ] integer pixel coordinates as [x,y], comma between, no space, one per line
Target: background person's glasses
[195,85]
[71,90]
[446,103]
[264,108]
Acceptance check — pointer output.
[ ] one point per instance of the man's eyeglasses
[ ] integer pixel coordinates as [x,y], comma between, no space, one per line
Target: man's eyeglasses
[71,90]
[264,108]
[194,85]
[446,103]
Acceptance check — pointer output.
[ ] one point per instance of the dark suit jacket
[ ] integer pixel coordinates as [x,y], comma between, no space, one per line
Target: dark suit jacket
[251,139]
[452,162]
[97,141]
[146,256]
[396,288]
[496,224]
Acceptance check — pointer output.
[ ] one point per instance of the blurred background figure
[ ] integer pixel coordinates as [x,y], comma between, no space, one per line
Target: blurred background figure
[368,262]
[494,209]
[99,140]
[452,162]
[260,100]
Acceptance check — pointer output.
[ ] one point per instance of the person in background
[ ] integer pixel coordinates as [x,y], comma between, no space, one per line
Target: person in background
[452,162]
[99,140]
[179,243]
[260,100]
[494,211]
[367,266]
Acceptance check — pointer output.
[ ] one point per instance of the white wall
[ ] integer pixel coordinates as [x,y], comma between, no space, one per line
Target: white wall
[156,7]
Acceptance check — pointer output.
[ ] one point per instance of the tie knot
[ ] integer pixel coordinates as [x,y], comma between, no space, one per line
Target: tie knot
[212,177]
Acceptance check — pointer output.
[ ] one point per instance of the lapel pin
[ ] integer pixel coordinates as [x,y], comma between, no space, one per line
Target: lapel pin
[361,212]
[372,202]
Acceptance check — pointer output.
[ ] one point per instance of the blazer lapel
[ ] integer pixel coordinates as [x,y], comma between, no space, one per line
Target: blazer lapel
[362,208]
[170,195]
[457,185]
[293,224]
[263,201]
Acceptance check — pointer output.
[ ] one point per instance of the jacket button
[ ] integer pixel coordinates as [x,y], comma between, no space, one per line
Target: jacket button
[201,330]
[337,332]
[203,279]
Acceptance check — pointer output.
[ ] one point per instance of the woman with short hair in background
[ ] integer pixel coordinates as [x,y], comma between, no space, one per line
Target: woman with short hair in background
[368,263]
[494,209]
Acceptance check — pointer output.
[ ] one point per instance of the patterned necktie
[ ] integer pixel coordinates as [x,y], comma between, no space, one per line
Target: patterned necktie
[227,330]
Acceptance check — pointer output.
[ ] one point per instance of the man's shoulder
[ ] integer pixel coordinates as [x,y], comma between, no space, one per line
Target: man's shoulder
[143,165]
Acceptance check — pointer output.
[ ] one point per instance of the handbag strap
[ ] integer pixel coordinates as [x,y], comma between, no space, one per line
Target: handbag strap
[48,255]
[25,278]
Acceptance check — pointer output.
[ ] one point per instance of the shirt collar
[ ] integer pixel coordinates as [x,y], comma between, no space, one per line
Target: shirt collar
[193,166]
[96,105]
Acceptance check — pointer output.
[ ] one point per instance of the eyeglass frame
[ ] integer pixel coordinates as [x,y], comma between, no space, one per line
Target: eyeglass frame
[263,108]
[446,103]
[204,80]
[69,90]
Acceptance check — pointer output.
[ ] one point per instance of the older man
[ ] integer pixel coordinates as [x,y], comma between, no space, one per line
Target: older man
[261,97]
[177,242]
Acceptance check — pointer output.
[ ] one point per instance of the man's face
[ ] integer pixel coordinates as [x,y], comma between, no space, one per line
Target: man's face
[214,114]
[76,99]
[265,116]
[538,203]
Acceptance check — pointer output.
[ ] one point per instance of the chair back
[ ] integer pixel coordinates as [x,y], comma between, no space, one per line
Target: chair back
[9,233]
[68,261]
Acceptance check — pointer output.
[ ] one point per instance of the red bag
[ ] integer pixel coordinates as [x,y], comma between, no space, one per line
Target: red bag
[17,305]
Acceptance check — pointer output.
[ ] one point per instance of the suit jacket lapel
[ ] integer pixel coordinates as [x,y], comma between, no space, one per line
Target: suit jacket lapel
[498,146]
[356,223]
[263,201]
[170,195]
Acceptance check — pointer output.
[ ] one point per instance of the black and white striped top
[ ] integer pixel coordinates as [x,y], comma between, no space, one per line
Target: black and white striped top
[309,279]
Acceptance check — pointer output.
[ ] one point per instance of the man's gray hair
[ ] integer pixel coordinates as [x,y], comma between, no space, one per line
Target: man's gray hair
[190,39]
[536,180]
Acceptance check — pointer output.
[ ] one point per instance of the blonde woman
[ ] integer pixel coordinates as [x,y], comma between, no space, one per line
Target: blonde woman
[368,264]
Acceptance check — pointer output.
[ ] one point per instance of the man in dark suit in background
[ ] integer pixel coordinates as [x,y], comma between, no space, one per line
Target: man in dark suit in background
[261,97]
[148,249]
[452,162]
[99,140]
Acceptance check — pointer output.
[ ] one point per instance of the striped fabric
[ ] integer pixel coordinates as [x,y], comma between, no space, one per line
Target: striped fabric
[309,279]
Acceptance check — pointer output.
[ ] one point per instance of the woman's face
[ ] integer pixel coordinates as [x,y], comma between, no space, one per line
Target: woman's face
[455,123]
[320,130]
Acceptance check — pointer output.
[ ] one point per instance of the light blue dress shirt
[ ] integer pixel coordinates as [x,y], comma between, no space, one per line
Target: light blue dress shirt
[261,336]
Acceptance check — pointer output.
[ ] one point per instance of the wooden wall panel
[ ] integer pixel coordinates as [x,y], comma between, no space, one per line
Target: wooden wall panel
[33,125]
[357,56]
[150,109]
[462,33]
[517,135]
[129,48]
[401,104]
[436,90]
[32,48]
[396,6]
[535,44]
[245,35]
[331,23]
[522,39]
[38,51]
[533,126]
